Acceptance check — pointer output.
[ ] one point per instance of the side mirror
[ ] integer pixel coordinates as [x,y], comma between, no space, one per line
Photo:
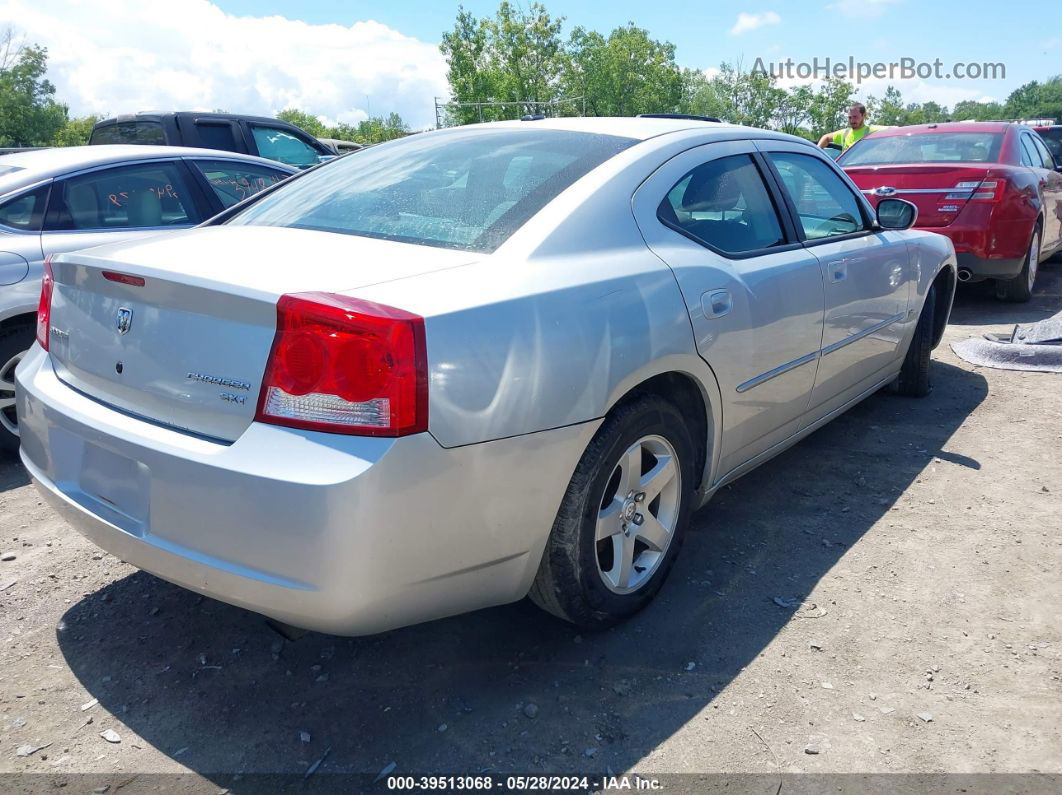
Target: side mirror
[896,214]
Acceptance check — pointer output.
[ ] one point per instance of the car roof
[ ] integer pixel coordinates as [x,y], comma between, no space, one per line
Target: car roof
[40,164]
[947,126]
[640,128]
[156,115]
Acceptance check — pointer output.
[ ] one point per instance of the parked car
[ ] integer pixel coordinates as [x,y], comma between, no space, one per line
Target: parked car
[469,365]
[57,200]
[231,132]
[993,188]
[339,147]
[1052,136]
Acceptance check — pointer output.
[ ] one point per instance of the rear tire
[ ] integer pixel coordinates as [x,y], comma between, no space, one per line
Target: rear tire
[585,577]
[913,380]
[1019,290]
[15,342]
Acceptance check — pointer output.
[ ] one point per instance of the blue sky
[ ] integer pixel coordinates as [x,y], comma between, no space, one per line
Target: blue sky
[345,61]
[1026,37]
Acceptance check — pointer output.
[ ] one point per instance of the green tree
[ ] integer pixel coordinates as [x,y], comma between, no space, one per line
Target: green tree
[889,110]
[75,132]
[515,57]
[29,114]
[304,121]
[977,111]
[828,106]
[623,75]
[738,96]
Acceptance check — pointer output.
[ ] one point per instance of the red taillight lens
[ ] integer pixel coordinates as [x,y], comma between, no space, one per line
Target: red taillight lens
[124,278]
[343,365]
[44,307]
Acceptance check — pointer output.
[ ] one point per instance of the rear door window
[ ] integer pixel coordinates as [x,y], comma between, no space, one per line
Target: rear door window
[825,205]
[147,195]
[284,146]
[25,212]
[234,182]
[1029,156]
[133,132]
[724,205]
[216,136]
[1045,154]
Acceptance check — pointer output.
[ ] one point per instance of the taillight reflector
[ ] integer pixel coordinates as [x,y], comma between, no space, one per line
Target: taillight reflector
[44,306]
[124,278]
[344,365]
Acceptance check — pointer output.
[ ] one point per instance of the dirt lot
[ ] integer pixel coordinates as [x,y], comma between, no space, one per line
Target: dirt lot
[883,597]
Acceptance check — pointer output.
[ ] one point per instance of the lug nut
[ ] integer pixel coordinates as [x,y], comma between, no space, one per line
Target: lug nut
[639,497]
[638,519]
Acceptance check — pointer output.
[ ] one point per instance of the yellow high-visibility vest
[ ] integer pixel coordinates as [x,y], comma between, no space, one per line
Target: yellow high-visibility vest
[845,138]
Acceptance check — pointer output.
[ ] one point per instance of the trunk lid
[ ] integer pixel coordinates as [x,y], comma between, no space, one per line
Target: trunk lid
[939,190]
[177,330]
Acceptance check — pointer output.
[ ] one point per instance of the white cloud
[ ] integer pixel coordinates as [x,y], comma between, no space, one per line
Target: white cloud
[122,56]
[861,9]
[746,22]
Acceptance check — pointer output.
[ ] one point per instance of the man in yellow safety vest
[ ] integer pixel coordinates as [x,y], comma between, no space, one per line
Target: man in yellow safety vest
[857,129]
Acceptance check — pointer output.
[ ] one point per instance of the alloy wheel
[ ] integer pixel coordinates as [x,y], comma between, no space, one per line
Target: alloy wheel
[638,514]
[7,393]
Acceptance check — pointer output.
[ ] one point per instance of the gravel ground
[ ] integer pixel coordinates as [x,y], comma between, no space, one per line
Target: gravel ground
[884,597]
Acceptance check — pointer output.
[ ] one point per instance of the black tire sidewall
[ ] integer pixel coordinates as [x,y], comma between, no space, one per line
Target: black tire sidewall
[13,340]
[655,417]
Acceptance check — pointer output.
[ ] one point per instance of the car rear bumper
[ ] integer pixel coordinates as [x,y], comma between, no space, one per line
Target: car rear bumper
[343,534]
[984,268]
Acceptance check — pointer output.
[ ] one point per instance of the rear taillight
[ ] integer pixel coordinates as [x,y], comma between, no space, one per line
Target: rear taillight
[990,190]
[343,365]
[44,307]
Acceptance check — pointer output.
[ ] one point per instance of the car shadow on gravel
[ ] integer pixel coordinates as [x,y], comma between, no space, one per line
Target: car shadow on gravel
[214,689]
[12,473]
[976,304]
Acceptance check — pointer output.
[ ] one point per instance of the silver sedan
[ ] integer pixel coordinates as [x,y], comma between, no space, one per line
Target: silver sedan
[470,365]
[58,200]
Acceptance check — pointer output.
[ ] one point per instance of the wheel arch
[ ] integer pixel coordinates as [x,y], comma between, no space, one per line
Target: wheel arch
[943,291]
[697,398]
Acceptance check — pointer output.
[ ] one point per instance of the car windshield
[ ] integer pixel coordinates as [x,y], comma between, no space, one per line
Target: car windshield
[467,189]
[939,147]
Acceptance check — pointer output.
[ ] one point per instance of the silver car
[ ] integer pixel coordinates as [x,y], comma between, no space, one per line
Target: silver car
[58,200]
[470,365]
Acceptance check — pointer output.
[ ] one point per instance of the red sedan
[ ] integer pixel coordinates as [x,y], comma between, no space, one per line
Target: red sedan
[992,187]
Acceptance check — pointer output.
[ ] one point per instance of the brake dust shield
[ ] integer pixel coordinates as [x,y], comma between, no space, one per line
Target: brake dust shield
[1030,346]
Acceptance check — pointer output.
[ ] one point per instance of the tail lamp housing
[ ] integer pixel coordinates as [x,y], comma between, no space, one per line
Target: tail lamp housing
[44,306]
[343,365]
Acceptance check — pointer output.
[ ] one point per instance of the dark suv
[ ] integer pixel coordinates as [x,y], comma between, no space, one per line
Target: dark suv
[1053,138]
[231,132]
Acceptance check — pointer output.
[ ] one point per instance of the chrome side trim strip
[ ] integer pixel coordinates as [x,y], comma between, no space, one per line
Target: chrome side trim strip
[777,371]
[864,333]
[899,191]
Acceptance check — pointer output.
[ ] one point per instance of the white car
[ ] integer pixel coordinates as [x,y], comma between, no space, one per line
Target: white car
[57,200]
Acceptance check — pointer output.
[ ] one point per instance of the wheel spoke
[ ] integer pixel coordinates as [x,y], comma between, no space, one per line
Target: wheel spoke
[652,533]
[656,479]
[6,402]
[631,468]
[622,561]
[608,521]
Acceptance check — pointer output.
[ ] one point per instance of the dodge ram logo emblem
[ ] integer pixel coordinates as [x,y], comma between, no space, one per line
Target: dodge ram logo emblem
[123,321]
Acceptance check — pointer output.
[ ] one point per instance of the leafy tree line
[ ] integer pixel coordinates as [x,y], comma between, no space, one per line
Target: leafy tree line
[373,130]
[520,56]
[30,115]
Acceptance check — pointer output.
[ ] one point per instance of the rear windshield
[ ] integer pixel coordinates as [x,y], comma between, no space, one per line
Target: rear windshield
[131,132]
[464,189]
[1053,139]
[946,147]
